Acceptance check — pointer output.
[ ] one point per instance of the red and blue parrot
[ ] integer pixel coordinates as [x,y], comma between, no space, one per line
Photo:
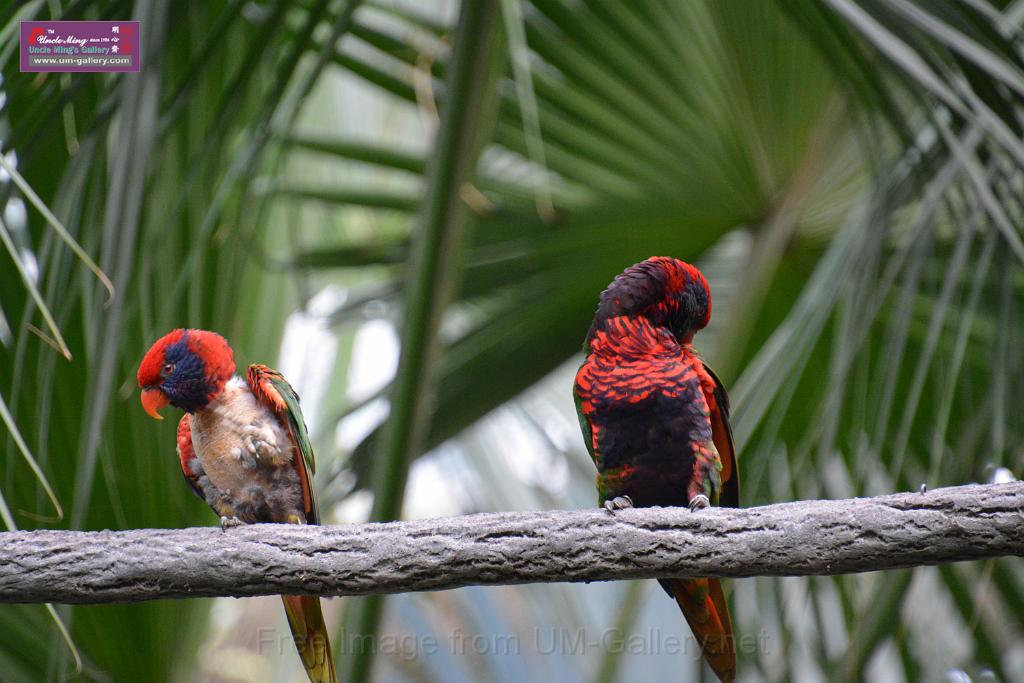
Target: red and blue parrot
[656,420]
[244,449]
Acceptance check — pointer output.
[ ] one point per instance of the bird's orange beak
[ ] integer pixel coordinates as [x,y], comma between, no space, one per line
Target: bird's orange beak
[153,400]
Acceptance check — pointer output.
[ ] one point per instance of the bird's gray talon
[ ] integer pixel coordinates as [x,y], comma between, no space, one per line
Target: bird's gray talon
[924,488]
[228,522]
[618,503]
[699,502]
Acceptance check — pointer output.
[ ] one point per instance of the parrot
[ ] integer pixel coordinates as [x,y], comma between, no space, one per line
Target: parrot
[244,449]
[655,419]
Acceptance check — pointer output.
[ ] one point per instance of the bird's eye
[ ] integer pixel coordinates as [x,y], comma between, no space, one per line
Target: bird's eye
[167,369]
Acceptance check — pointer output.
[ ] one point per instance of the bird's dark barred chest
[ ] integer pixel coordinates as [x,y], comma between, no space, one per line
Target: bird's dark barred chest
[644,443]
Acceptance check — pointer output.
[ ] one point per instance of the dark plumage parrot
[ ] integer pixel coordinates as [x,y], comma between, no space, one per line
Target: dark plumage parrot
[656,420]
[244,449]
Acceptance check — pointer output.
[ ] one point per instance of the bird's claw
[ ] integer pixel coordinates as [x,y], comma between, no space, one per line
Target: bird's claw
[618,503]
[699,502]
[229,522]
[924,488]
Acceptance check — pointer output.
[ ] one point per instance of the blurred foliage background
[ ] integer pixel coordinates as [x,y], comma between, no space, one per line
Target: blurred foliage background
[335,185]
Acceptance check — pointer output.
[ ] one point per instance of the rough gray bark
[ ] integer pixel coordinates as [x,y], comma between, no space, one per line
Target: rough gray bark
[790,539]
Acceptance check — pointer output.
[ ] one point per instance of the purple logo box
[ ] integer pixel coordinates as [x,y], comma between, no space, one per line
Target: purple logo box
[80,46]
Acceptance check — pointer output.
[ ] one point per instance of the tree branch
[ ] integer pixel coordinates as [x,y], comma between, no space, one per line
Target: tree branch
[789,539]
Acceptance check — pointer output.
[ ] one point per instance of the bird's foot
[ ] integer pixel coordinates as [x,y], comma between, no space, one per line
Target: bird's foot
[618,503]
[699,502]
[229,522]
[924,488]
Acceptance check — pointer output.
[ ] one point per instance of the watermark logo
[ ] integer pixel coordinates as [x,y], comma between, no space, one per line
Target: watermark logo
[555,641]
[77,46]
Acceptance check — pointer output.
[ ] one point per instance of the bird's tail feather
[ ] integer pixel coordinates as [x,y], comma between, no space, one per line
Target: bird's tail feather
[703,604]
[310,633]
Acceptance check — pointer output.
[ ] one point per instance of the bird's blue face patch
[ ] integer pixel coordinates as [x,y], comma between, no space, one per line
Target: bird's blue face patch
[184,377]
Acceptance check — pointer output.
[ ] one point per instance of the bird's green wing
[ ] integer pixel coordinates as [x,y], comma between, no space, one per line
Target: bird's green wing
[272,390]
[721,431]
[588,434]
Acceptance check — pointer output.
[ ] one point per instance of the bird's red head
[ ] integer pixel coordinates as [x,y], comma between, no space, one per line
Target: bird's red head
[186,369]
[670,293]
[687,298]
